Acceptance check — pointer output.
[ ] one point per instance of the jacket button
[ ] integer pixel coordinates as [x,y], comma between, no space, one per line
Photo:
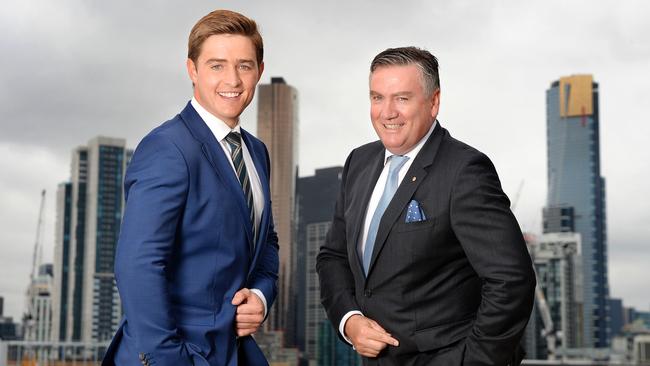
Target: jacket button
[367,293]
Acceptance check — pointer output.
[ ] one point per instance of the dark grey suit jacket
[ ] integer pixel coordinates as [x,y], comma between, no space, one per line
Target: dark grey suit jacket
[455,289]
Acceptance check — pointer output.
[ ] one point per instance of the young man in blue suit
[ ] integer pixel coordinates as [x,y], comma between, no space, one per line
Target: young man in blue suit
[197,258]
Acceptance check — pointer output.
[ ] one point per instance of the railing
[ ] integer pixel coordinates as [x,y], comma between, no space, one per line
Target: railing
[25,353]
[573,362]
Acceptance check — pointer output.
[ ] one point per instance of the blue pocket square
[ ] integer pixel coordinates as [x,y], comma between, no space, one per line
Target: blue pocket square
[415,212]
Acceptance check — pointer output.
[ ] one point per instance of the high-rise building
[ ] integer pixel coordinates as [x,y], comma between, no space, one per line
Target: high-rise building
[575,184]
[89,212]
[558,219]
[641,355]
[332,351]
[557,261]
[617,316]
[8,329]
[315,199]
[63,236]
[37,323]
[277,127]
[272,345]
[7,325]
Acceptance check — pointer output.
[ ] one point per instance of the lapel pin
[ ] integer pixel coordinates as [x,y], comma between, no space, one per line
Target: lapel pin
[413,179]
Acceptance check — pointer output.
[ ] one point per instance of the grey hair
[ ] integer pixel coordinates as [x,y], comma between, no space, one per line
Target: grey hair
[423,59]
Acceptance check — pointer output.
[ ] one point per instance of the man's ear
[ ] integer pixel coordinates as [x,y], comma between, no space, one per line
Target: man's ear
[435,103]
[191,71]
[261,68]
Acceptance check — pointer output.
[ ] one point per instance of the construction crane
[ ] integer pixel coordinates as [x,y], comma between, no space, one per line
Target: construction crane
[513,205]
[548,332]
[29,318]
[37,256]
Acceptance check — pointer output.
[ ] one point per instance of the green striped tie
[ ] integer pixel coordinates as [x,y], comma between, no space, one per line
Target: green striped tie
[234,140]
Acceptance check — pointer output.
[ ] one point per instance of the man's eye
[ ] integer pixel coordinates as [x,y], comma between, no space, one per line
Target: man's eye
[217,67]
[245,67]
[402,99]
[375,98]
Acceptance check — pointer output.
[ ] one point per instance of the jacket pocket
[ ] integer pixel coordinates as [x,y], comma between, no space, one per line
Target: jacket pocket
[195,353]
[416,225]
[442,335]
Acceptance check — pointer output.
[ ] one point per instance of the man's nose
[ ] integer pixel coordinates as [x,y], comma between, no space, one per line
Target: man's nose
[232,77]
[389,111]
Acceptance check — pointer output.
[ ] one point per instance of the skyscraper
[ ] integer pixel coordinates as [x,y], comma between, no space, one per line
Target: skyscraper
[7,325]
[89,212]
[277,127]
[37,323]
[617,316]
[332,351]
[558,266]
[315,199]
[576,189]
[62,262]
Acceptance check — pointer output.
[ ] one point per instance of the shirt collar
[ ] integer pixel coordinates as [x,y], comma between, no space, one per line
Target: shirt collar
[414,151]
[218,127]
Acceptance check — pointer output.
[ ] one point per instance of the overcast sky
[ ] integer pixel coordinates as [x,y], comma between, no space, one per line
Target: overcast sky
[71,70]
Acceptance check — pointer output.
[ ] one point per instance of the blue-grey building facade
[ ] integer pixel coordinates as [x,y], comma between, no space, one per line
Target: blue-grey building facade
[86,303]
[616,316]
[7,325]
[576,187]
[315,199]
[332,351]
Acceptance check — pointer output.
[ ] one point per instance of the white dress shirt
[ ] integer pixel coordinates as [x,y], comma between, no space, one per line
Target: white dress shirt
[220,130]
[374,201]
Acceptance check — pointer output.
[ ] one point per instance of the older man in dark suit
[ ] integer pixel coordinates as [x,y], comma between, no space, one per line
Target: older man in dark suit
[425,263]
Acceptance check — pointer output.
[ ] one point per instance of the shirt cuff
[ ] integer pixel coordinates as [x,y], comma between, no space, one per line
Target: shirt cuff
[345,319]
[261,296]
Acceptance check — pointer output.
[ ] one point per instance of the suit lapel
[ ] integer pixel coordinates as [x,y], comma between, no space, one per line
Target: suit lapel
[368,180]
[217,158]
[412,180]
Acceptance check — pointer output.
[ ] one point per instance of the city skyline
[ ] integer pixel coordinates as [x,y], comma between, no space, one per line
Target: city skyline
[80,70]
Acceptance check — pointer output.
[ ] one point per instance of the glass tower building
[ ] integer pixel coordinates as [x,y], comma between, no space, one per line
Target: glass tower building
[315,199]
[86,305]
[576,191]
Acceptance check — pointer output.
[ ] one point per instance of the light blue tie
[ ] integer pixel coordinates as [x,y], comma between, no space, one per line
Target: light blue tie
[396,163]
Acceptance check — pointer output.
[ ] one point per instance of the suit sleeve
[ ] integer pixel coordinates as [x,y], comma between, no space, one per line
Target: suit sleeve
[265,275]
[332,264]
[491,238]
[156,186]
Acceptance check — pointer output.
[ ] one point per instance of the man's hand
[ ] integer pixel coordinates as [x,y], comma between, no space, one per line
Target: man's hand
[250,312]
[368,337]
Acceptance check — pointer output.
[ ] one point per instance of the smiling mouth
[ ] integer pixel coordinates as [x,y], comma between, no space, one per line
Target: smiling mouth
[392,126]
[229,94]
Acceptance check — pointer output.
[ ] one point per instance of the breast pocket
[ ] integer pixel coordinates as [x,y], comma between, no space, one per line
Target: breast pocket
[415,226]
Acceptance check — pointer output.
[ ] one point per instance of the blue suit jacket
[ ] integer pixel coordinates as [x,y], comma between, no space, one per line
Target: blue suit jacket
[186,247]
